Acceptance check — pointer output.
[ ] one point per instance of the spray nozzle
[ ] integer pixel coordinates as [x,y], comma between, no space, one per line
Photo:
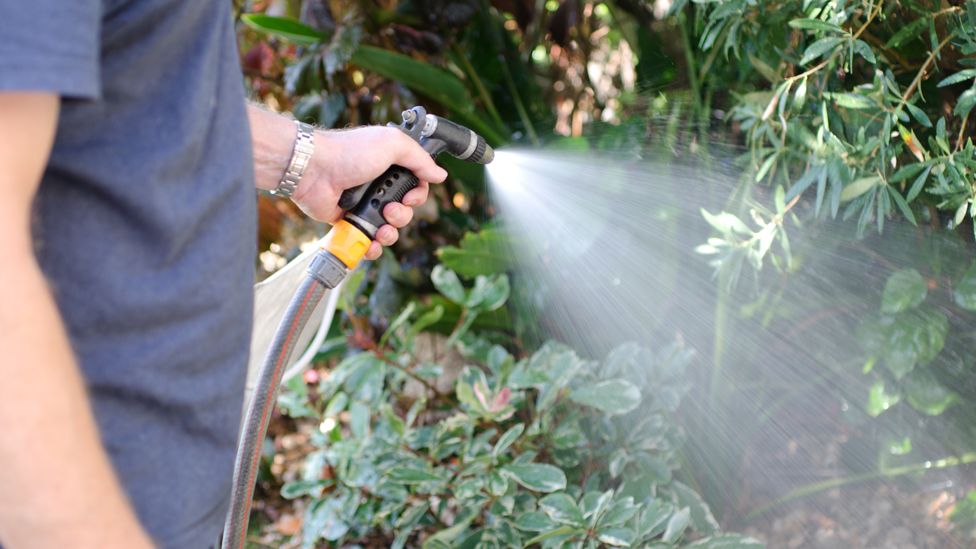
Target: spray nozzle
[439,135]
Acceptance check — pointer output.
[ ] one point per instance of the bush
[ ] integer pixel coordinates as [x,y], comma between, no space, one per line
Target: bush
[469,447]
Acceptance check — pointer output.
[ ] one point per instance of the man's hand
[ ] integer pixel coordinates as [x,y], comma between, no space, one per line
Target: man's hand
[343,159]
[57,488]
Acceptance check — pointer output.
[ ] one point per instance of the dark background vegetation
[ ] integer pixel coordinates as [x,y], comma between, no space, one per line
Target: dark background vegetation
[848,126]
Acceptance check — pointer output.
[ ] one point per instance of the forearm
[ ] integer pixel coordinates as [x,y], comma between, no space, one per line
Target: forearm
[56,485]
[57,488]
[273,138]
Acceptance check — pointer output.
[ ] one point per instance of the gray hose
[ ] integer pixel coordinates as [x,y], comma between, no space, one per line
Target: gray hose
[302,305]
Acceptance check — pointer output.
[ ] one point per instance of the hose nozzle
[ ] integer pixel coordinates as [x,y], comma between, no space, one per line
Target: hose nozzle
[439,135]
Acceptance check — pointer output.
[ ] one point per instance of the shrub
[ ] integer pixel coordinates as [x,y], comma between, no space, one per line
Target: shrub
[474,448]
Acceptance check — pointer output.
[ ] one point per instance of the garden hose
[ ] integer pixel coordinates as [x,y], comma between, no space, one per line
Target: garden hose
[343,249]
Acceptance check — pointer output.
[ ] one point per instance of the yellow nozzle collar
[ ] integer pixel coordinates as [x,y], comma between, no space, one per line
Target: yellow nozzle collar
[347,243]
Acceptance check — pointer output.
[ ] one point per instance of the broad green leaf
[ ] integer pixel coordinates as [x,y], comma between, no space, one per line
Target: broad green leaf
[535,521]
[727,541]
[507,439]
[615,396]
[411,475]
[284,27]
[654,518]
[616,536]
[489,293]
[879,400]
[561,531]
[619,512]
[325,518]
[701,516]
[677,525]
[447,283]
[912,338]
[479,253]
[859,187]
[426,79]
[964,293]
[562,508]
[445,538]
[926,394]
[906,289]
[538,477]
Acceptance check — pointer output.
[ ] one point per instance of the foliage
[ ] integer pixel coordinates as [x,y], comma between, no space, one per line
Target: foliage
[551,450]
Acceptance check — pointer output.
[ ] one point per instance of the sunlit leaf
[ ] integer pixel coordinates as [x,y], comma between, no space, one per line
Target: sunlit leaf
[904,290]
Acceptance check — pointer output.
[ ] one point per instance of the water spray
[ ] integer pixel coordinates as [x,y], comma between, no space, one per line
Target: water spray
[343,249]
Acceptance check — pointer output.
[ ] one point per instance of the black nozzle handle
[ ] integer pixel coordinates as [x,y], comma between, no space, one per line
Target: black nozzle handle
[367,212]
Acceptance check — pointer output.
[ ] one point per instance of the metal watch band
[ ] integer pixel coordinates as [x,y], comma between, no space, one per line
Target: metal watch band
[304,147]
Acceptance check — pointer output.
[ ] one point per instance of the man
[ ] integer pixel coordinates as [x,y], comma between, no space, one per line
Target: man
[127,233]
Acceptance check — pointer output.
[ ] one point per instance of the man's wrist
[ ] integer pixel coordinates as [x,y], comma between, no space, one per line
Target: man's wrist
[301,156]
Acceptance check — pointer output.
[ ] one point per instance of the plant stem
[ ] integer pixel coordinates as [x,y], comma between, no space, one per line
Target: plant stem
[810,489]
[921,72]
[517,98]
[690,61]
[380,355]
[480,86]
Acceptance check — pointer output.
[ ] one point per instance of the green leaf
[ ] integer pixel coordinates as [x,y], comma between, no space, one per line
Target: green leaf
[427,80]
[965,103]
[561,531]
[447,283]
[960,76]
[852,101]
[819,48]
[815,24]
[912,338]
[620,512]
[654,518]
[919,115]
[906,289]
[445,538]
[864,50]
[562,509]
[879,400]
[677,525]
[615,396]
[507,440]
[926,394]
[489,293]
[964,293]
[859,187]
[284,27]
[616,536]
[534,521]
[908,32]
[701,516]
[411,475]
[538,477]
[727,541]
[479,253]
[301,488]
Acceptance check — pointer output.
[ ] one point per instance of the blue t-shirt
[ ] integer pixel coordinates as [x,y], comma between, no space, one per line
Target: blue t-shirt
[144,225]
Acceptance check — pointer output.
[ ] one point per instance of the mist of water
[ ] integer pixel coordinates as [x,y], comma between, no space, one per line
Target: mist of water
[605,253]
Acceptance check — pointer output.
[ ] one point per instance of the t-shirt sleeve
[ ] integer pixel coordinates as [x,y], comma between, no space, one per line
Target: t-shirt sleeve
[50,45]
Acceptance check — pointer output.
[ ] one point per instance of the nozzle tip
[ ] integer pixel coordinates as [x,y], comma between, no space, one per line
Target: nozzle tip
[489,154]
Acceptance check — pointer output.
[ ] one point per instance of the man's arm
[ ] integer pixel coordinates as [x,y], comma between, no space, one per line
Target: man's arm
[57,488]
[342,159]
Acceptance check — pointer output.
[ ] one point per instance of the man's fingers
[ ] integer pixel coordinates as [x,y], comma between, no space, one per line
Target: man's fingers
[397,214]
[374,251]
[413,157]
[387,235]
[417,195]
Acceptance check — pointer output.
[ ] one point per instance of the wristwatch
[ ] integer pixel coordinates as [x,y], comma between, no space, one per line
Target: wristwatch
[304,147]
